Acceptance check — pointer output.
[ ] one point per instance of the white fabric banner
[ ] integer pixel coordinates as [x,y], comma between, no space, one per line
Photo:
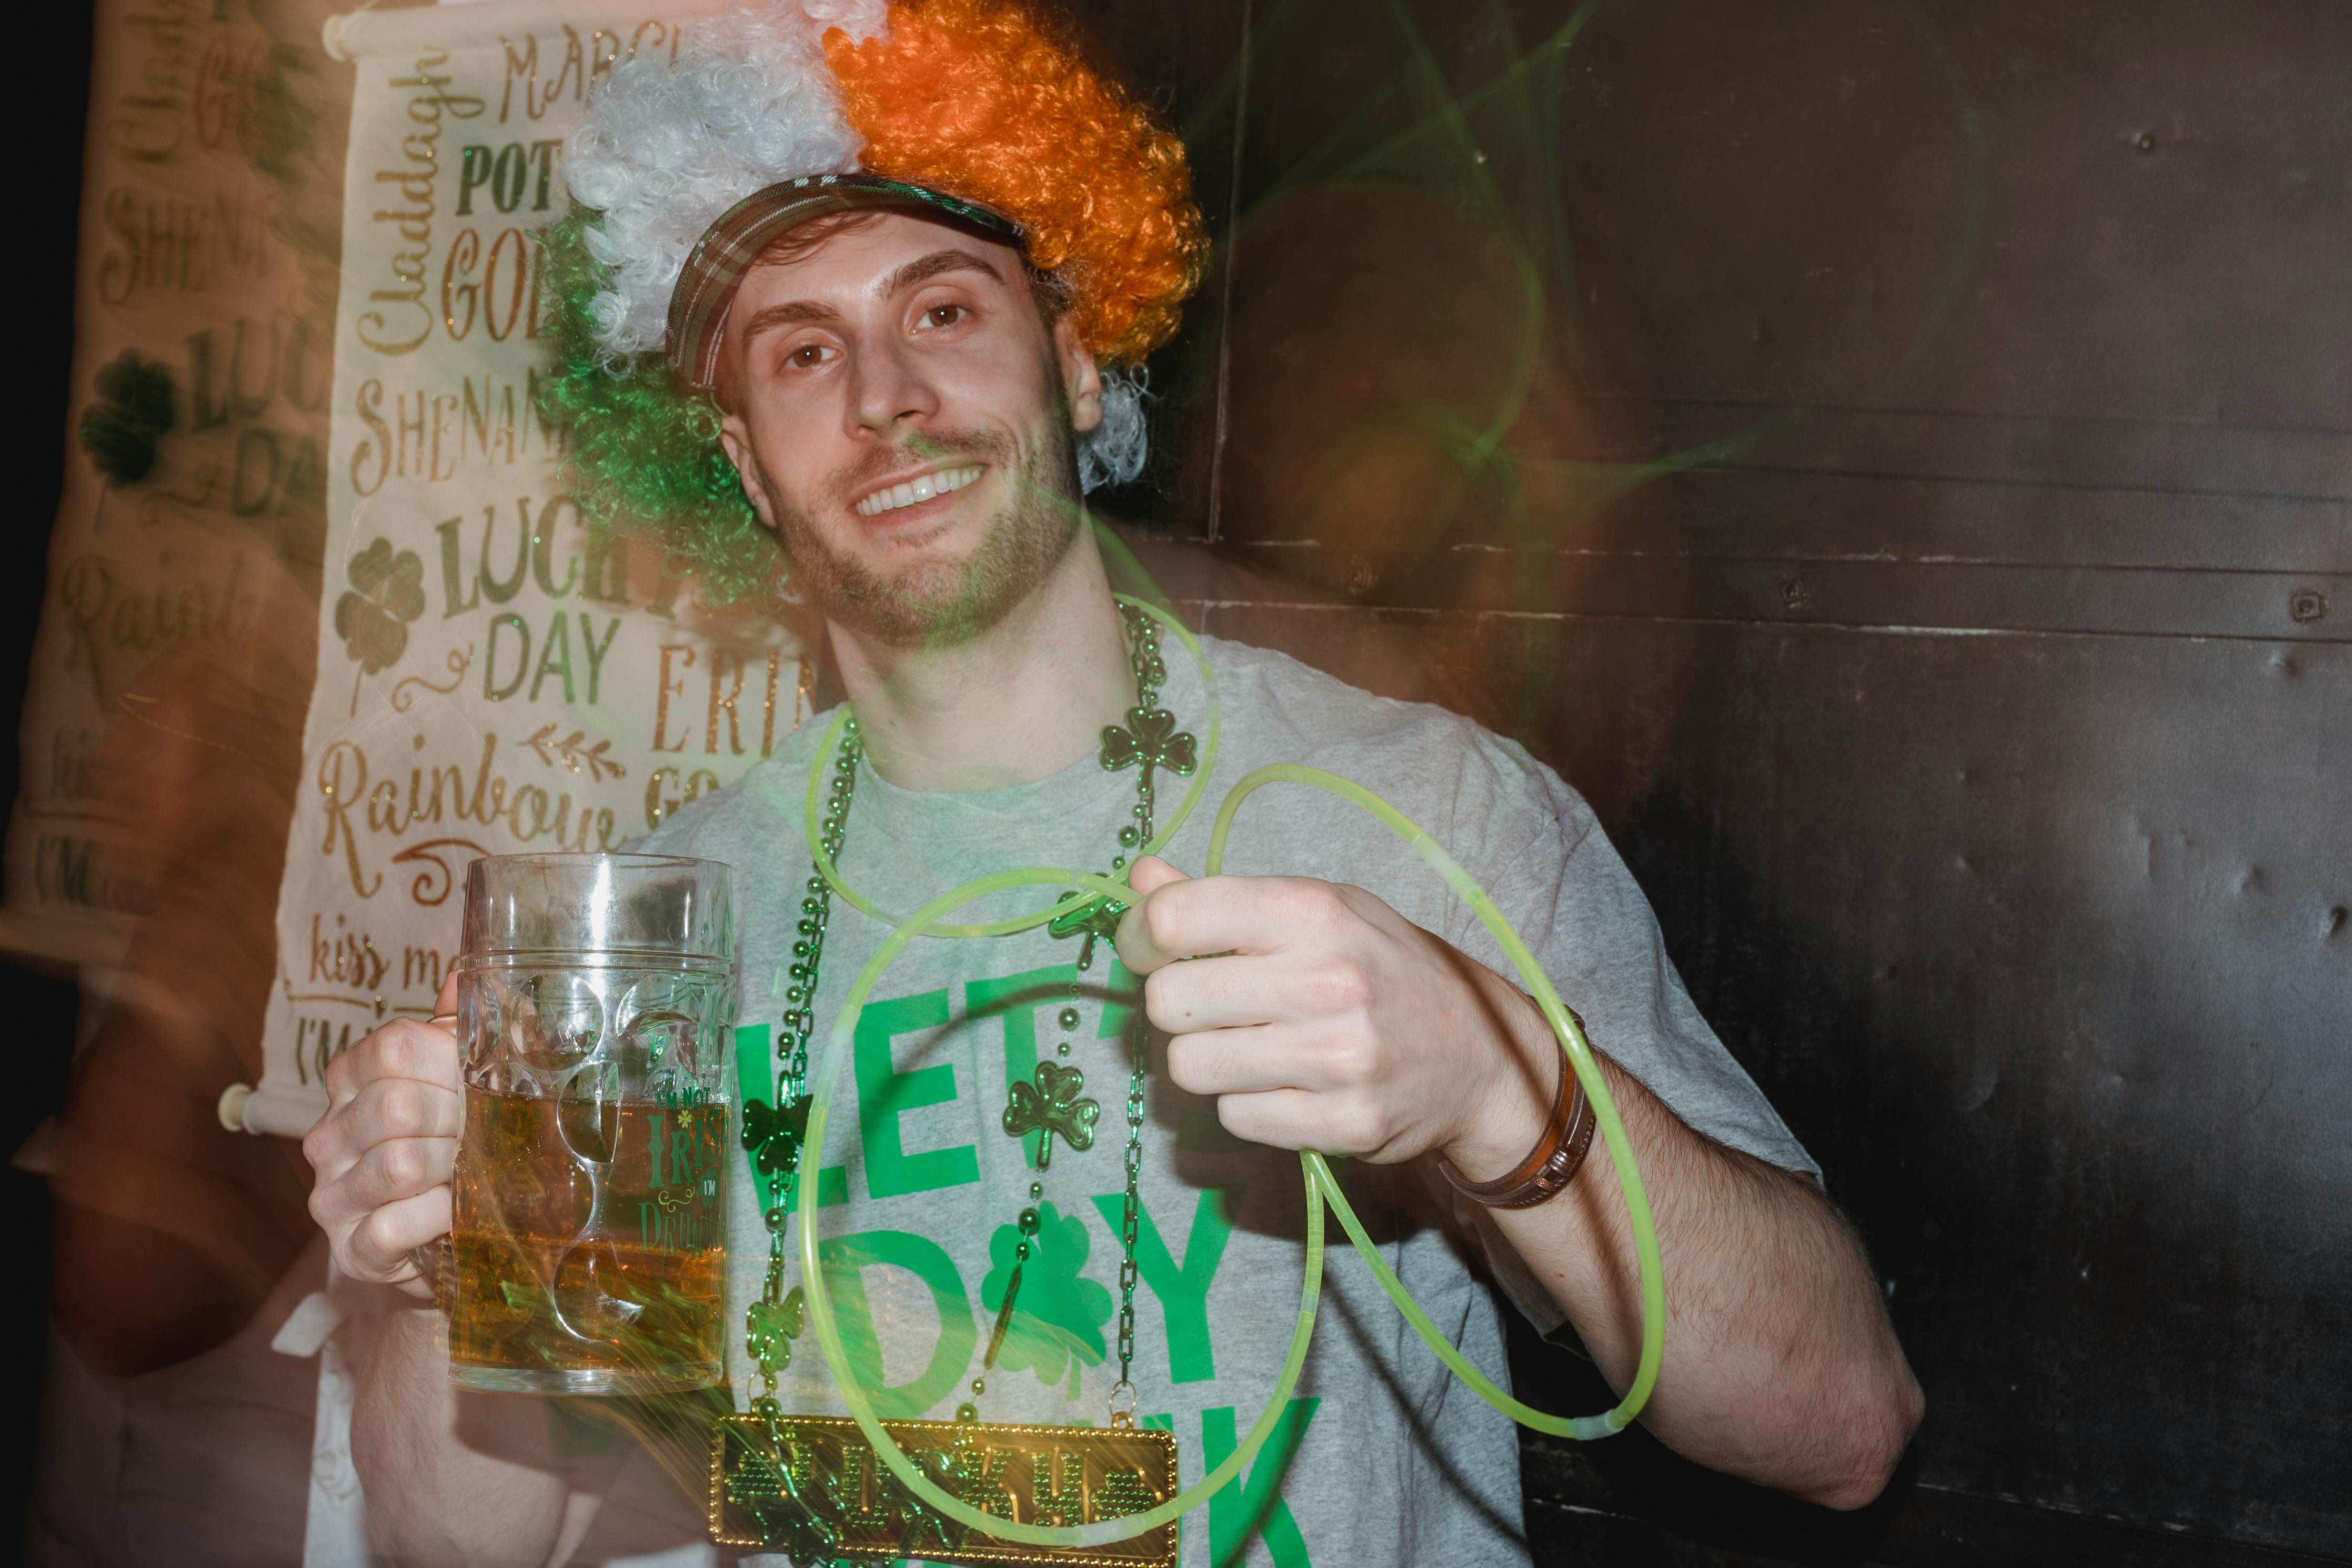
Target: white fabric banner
[196,416]
[490,679]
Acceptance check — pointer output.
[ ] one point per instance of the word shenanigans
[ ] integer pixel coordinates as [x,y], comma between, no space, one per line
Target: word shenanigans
[813,1485]
[433,433]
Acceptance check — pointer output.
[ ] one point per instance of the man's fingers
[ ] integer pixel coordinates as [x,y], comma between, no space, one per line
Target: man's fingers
[1295,1118]
[1252,1060]
[1137,950]
[382,1109]
[1225,915]
[403,1048]
[391,1173]
[1235,991]
[377,1250]
[1150,873]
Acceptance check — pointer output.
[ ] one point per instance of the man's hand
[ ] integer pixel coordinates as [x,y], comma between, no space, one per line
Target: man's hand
[1330,1022]
[385,1148]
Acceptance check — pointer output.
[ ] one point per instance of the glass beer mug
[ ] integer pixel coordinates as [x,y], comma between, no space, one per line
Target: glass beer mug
[596,1000]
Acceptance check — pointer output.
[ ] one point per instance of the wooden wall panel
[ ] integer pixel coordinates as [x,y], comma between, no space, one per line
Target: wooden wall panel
[1897,461]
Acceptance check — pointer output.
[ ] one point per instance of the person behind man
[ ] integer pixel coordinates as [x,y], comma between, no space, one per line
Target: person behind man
[907,266]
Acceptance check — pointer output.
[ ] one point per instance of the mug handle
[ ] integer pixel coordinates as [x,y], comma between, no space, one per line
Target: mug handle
[437,1261]
[436,1264]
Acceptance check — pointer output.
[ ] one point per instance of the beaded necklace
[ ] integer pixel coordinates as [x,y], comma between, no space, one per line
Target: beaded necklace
[1050,1103]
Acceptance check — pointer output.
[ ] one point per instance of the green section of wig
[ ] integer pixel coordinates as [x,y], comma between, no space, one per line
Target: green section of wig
[644,460]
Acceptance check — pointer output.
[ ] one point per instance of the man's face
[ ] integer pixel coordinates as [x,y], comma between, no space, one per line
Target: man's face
[903,418]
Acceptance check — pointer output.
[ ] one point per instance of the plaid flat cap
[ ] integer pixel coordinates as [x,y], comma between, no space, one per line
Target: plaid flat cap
[705,285]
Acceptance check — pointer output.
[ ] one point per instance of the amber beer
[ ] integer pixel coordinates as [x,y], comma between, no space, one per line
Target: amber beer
[589,1241]
[596,1009]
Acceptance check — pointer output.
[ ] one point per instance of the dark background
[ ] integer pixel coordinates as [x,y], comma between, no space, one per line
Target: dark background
[1896,460]
[43,120]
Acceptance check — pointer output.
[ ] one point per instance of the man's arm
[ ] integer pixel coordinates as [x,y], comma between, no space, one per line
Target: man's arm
[449,1480]
[452,1479]
[1330,1022]
[1779,1365]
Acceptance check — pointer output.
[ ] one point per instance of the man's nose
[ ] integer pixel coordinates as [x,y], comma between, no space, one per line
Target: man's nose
[890,390]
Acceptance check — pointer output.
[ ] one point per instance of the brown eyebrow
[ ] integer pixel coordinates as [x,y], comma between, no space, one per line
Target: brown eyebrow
[791,311]
[924,269]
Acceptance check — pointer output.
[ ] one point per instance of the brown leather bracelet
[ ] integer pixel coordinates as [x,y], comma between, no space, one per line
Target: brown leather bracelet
[1550,1165]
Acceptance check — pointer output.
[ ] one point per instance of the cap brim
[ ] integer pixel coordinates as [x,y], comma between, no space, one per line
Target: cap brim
[699,302]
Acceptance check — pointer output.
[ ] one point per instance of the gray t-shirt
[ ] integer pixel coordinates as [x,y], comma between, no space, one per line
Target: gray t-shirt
[1390,1459]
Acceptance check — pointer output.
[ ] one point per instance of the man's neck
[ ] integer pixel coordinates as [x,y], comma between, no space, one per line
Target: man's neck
[1021,701]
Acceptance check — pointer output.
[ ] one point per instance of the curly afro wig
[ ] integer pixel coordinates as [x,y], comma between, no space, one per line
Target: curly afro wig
[983,99]
[977,99]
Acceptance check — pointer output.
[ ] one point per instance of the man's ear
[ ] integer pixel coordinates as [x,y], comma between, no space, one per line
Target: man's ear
[735,439]
[1081,381]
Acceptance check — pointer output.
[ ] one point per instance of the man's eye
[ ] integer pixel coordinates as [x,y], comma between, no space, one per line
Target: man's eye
[945,315]
[808,355]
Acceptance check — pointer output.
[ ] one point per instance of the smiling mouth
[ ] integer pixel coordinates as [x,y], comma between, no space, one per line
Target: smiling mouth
[921,488]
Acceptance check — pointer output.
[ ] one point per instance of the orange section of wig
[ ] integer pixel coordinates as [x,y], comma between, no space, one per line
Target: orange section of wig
[976,99]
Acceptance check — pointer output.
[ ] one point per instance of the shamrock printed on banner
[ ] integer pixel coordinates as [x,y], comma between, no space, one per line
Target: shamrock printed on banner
[123,428]
[387,592]
[1058,1314]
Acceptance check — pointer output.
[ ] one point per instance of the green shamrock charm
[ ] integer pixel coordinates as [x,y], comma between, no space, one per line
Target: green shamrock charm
[773,1137]
[772,1326]
[1151,739]
[1052,1105]
[1097,916]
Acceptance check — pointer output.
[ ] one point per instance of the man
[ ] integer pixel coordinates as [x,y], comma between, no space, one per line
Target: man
[908,386]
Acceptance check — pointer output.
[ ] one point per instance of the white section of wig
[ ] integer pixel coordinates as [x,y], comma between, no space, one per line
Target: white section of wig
[668,147]
[1112,452]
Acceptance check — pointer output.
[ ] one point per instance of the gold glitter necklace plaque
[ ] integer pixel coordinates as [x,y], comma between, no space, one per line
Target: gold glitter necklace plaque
[811,1486]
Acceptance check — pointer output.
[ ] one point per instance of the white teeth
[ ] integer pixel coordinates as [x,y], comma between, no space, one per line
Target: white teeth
[921,488]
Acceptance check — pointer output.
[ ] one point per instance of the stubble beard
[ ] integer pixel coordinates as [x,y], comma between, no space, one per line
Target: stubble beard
[945,604]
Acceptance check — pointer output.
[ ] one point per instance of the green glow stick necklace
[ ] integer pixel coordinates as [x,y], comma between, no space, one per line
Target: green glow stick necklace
[1322,1187]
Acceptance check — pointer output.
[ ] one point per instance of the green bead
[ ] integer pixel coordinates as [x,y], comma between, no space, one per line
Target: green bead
[1068,1017]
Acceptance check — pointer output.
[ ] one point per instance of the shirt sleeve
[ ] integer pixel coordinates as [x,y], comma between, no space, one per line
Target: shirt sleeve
[1535,845]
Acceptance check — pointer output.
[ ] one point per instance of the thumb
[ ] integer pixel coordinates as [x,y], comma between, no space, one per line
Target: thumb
[1151,873]
[445,1006]
[1137,951]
